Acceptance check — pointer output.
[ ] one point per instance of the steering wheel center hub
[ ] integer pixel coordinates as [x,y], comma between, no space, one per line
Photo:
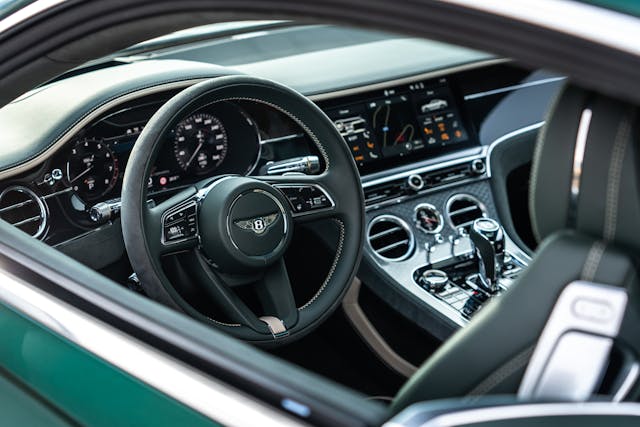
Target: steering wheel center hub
[256,223]
[244,224]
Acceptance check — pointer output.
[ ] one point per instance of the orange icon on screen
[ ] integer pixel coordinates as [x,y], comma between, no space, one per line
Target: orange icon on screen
[458,134]
[428,131]
[444,136]
[359,158]
[370,145]
[441,127]
[356,148]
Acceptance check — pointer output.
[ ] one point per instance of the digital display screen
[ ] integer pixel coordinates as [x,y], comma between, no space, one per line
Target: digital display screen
[417,118]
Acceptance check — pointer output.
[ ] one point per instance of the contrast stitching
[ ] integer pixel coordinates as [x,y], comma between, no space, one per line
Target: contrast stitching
[614,177]
[235,325]
[499,375]
[333,267]
[537,155]
[593,261]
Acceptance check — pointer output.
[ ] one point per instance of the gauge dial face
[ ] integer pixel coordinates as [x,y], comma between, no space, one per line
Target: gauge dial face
[200,143]
[92,169]
[428,219]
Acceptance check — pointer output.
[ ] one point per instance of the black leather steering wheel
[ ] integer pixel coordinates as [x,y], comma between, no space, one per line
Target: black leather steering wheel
[238,228]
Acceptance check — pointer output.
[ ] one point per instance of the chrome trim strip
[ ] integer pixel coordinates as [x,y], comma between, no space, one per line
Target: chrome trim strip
[407,80]
[486,152]
[512,88]
[57,193]
[513,412]
[578,159]
[627,384]
[281,138]
[424,169]
[597,24]
[508,136]
[27,12]
[179,381]
[71,132]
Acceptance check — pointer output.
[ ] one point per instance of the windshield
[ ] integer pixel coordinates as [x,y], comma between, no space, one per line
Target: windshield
[241,42]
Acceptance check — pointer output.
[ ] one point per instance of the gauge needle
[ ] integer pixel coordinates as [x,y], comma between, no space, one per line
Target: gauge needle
[193,156]
[81,175]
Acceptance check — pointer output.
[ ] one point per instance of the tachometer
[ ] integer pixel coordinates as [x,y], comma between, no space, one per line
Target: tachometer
[92,170]
[200,144]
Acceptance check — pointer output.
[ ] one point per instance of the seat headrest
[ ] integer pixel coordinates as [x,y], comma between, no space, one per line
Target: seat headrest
[585,169]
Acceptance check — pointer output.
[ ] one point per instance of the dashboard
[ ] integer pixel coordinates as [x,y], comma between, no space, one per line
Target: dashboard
[425,146]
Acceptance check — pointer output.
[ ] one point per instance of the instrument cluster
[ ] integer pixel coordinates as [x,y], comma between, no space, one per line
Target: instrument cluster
[217,139]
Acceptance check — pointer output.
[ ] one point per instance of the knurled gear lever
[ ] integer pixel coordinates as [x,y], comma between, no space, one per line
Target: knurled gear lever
[488,240]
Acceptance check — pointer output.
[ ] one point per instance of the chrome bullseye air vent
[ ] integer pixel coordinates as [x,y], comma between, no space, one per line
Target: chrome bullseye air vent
[22,208]
[463,209]
[390,238]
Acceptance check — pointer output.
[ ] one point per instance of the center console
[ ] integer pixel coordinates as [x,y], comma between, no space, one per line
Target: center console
[440,241]
[432,228]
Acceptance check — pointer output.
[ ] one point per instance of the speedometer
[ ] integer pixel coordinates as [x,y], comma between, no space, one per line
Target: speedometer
[92,170]
[200,144]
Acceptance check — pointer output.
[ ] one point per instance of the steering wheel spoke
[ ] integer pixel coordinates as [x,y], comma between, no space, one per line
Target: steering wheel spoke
[216,288]
[175,222]
[276,295]
[309,196]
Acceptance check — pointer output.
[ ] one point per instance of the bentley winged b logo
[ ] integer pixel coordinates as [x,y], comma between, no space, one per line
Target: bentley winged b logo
[258,225]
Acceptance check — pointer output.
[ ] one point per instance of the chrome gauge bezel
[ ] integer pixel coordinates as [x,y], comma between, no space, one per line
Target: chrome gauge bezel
[435,211]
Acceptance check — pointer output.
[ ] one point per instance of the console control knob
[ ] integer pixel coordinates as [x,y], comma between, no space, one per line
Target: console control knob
[415,182]
[478,167]
[434,280]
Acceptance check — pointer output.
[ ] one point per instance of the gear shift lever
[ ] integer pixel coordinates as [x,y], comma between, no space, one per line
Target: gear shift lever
[488,239]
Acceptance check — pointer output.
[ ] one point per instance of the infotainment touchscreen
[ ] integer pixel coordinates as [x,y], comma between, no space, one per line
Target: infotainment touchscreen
[408,121]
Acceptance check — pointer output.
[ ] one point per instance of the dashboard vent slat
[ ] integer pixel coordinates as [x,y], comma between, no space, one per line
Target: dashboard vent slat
[390,238]
[22,208]
[463,209]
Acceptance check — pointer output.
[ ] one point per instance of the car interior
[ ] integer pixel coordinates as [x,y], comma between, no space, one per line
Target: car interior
[433,225]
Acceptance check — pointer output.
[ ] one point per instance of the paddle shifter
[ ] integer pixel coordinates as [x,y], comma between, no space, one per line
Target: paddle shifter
[488,239]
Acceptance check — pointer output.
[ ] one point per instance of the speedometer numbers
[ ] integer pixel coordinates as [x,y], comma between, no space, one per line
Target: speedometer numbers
[200,144]
[92,170]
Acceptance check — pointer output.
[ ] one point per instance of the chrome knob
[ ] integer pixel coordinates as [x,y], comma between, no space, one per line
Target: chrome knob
[415,182]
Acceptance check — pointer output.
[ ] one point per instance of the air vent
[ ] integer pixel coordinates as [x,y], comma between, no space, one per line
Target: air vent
[391,238]
[463,209]
[22,208]
[384,192]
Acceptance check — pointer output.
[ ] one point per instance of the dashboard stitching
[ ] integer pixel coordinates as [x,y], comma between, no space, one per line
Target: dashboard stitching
[333,267]
[92,110]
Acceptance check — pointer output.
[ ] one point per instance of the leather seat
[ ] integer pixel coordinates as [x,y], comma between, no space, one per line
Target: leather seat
[586,214]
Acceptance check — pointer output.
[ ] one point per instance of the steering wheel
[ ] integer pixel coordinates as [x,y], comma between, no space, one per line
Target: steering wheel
[235,229]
